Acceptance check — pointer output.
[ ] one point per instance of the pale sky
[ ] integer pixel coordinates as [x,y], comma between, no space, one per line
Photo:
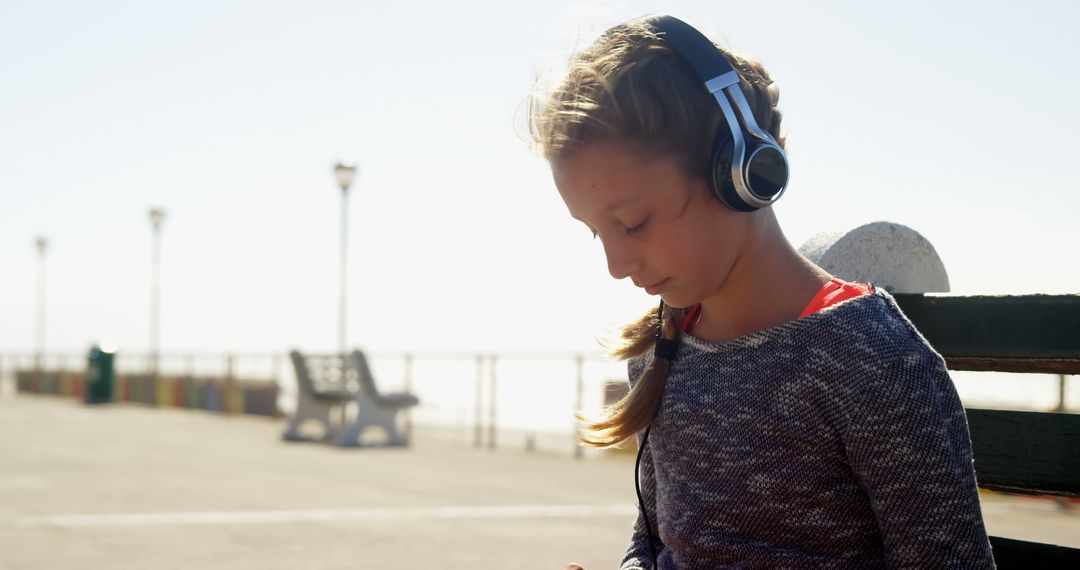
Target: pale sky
[956,119]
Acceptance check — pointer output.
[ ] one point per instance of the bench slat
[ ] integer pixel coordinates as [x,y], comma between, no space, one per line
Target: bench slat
[320,377]
[1024,333]
[1026,452]
[1025,365]
[1012,553]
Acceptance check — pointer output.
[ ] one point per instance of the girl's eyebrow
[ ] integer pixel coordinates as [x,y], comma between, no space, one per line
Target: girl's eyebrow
[615,206]
[620,204]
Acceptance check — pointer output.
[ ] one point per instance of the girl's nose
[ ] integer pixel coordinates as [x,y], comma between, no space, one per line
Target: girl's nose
[622,261]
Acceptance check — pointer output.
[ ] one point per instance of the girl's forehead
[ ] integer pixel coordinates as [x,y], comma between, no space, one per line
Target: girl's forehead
[605,178]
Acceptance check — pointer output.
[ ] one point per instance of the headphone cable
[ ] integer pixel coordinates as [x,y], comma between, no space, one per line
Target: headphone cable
[664,349]
[637,489]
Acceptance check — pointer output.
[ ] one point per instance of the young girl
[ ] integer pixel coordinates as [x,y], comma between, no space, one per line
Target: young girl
[786,418]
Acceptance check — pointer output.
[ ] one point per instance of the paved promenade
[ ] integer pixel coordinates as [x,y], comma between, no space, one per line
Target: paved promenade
[126,487]
[123,487]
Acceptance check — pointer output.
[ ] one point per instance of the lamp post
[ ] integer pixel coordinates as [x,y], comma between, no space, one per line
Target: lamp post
[157,216]
[42,245]
[344,172]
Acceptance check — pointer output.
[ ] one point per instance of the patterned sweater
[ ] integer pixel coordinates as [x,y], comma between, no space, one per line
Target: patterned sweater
[833,441]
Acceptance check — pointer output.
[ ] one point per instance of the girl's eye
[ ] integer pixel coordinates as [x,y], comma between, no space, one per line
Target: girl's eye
[638,228]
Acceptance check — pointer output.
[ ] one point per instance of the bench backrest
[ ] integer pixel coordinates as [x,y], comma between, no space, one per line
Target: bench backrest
[320,374]
[363,371]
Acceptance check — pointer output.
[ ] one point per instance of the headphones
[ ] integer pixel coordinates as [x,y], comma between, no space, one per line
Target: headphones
[749,169]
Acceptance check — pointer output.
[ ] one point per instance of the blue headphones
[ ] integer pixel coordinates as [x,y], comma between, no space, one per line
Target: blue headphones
[749,169]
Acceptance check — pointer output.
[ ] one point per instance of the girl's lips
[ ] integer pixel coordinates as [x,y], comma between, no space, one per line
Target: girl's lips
[656,287]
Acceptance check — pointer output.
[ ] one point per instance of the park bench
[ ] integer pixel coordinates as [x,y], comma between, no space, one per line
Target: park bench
[328,384]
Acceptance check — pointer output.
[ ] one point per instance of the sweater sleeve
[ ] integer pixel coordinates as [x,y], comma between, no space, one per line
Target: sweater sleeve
[908,443]
[638,555]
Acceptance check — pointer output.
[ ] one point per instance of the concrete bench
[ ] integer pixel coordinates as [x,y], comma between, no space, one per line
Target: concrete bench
[328,384]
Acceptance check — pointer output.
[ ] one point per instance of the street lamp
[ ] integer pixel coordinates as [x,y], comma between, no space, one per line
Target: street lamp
[344,171]
[157,216]
[42,245]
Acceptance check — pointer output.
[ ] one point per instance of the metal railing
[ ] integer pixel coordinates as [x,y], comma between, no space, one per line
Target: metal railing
[484,399]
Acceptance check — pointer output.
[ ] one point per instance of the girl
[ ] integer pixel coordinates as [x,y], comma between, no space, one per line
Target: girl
[787,419]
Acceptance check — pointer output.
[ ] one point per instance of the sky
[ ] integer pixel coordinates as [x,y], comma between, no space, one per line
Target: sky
[956,119]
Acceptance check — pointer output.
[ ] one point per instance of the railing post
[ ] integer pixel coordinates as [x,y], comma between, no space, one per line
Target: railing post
[579,452]
[478,441]
[37,383]
[343,368]
[1061,393]
[191,392]
[492,403]
[230,396]
[408,390]
[154,375]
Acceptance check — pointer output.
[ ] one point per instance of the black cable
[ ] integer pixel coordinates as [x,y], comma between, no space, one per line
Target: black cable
[637,489]
[665,349]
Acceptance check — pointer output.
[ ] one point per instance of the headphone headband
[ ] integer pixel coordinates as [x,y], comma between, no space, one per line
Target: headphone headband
[696,49]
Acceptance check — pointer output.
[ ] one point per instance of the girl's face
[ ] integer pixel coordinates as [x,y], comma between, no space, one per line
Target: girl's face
[659,227]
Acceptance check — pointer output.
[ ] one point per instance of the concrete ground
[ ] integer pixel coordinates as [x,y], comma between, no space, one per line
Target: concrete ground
[122,486]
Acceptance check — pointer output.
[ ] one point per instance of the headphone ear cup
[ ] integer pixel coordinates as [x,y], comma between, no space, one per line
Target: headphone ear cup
[723,186]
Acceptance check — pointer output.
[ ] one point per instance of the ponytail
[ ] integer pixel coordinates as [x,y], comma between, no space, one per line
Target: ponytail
[635,411]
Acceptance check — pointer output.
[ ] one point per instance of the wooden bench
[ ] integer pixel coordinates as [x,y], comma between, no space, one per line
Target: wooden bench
[1017,452]
[328,384]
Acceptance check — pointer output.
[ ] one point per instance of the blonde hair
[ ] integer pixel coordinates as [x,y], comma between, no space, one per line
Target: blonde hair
[630,87]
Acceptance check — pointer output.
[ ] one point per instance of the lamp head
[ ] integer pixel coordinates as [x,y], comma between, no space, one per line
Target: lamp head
[157,215]
[345,171]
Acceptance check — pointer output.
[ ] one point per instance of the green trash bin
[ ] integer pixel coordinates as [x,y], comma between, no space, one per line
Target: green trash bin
[100,375]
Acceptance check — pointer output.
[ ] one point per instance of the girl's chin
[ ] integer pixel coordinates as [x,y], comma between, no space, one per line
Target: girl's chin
[676,301]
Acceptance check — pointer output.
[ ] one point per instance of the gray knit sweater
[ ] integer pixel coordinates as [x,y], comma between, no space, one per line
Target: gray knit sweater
[833,441]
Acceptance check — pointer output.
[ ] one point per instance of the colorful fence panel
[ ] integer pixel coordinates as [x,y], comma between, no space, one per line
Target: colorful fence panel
[212,394]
